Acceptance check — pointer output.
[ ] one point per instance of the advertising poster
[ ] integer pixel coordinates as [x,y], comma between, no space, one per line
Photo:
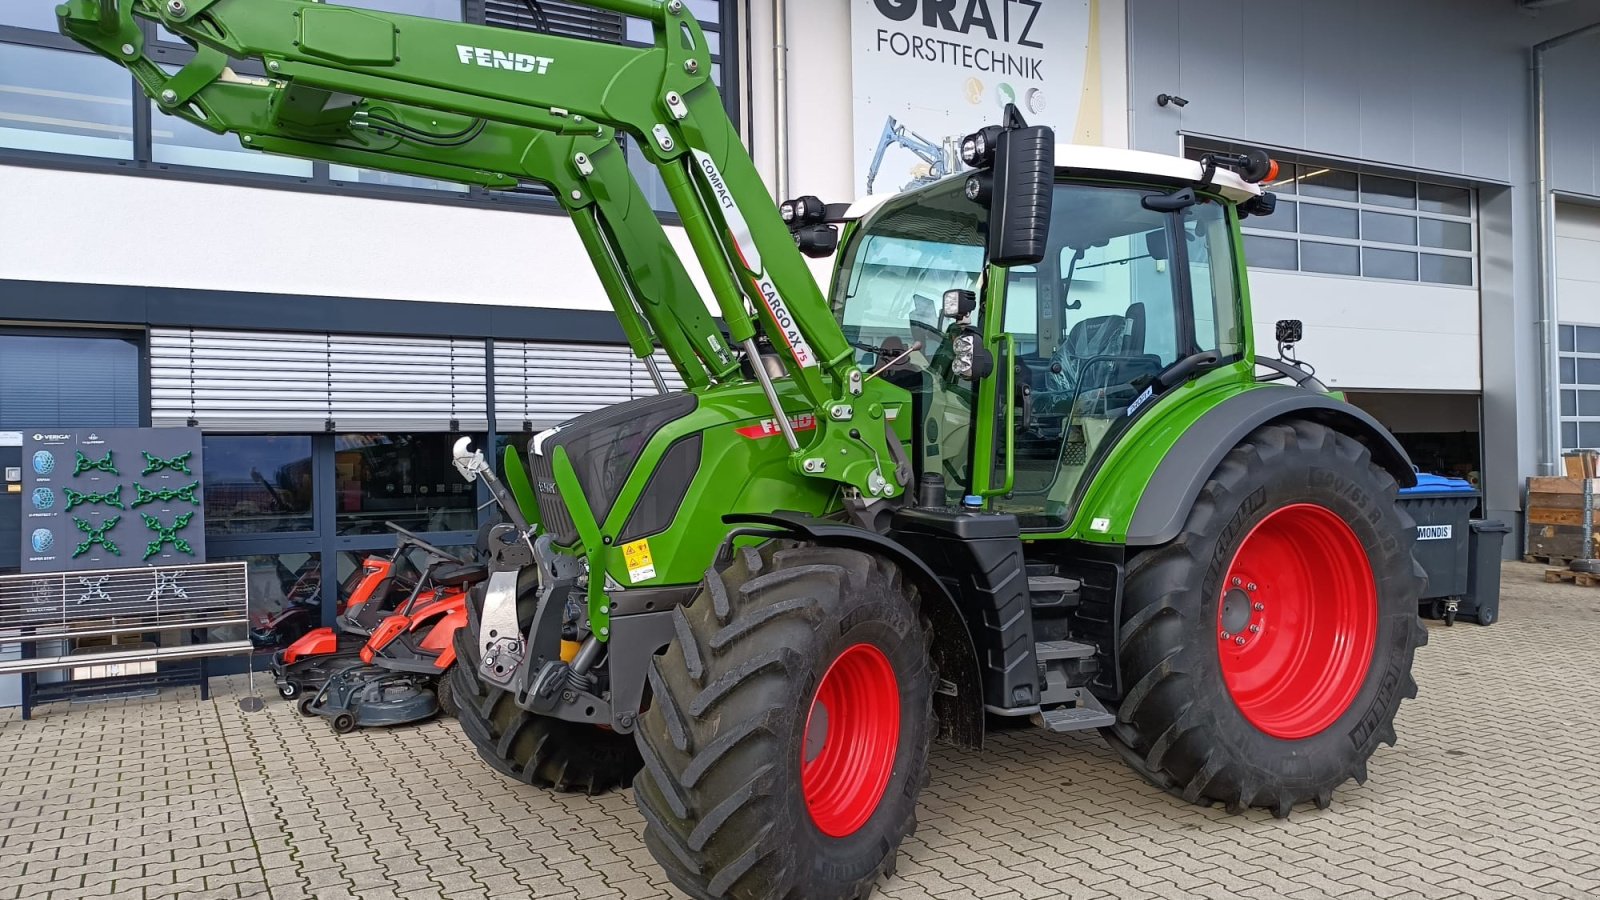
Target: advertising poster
[929,72]
[111,498]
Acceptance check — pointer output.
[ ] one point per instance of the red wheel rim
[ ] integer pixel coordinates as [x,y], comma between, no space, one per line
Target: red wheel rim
[1297,621]
[852,731]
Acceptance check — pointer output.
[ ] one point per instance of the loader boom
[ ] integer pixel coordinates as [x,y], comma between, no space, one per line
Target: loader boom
[496,107]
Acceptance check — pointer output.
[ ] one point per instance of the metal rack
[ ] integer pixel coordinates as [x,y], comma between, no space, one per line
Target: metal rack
[175,609]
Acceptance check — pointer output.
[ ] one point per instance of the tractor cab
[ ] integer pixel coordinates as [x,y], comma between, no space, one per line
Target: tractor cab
[1138,289]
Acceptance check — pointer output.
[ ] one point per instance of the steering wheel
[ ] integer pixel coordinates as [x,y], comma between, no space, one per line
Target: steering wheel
[414,540]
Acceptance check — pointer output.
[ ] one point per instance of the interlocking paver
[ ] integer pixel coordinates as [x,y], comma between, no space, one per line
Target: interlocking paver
[172,797]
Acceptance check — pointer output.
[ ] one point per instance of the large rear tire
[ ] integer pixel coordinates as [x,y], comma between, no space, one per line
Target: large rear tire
[1265,651]
[787,736]
[533,749]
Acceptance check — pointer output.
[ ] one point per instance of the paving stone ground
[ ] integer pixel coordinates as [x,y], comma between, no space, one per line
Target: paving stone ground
[1493,792]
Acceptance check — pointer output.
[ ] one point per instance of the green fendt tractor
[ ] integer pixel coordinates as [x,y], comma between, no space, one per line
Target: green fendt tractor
[1016,464]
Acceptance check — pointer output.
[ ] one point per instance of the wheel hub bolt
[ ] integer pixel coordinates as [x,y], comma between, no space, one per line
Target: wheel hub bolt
[1236,582]
[1251,586]
[1239,640]
[1226,635]
[1255,629]
[1258,607]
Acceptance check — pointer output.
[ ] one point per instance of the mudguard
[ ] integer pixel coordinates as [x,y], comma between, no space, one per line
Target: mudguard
[1172,489]
[961,713]
[317,642]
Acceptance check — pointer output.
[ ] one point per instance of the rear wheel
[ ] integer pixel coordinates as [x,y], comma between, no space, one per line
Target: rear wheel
[787,735]
[533,749]
[1266,650]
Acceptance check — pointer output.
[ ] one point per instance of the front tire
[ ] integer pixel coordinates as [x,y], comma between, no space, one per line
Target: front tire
[787,736]
[1265,650]
[542,751]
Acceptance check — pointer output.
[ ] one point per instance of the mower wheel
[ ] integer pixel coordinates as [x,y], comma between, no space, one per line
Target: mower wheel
[787,734]
[289,690]
[1265,651]
[343,723]
[304,706]
[533,749]
[444,690]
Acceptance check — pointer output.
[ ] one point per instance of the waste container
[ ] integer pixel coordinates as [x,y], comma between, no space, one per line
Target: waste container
[1481,603]
[1442,508]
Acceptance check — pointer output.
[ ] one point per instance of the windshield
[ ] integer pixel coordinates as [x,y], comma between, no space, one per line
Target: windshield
[888,300]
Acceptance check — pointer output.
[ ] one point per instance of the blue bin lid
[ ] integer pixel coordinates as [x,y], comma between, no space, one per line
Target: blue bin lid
[1428,483]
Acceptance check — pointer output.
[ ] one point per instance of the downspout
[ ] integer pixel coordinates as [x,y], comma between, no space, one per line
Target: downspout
[780,106]
[1549,316]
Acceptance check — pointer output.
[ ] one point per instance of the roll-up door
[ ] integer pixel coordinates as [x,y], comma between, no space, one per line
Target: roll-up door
[262,382]
[539,385]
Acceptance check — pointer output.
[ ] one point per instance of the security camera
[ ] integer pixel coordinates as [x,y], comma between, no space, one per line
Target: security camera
[1174,99]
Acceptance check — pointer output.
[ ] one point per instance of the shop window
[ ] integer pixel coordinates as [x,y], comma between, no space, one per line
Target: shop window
[68,381]
[408,479]
[176,141]
[258,484]
[1579,365]
[62,101]
[285,596]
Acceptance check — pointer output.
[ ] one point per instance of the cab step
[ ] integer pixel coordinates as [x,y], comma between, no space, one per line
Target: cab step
[1074,718]
[1053,591]
[1048,650]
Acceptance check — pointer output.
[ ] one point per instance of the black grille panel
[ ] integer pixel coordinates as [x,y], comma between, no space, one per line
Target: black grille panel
[604,447]
[573,20]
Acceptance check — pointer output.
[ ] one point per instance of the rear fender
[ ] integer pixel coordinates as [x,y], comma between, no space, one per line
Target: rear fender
[961,714]
[1164,505]
[317,642]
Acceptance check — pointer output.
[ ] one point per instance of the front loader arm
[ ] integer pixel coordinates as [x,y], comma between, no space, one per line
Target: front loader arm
[493,107]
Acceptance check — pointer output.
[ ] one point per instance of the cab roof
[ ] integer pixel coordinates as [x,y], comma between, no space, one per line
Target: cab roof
[1082,159]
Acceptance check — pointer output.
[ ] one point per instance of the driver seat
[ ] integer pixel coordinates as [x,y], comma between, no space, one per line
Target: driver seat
[1096,336]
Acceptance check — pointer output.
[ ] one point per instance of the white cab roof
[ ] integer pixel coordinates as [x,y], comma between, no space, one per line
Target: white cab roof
[1085,159]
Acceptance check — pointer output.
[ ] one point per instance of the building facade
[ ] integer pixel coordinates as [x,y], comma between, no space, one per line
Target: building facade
[333,331]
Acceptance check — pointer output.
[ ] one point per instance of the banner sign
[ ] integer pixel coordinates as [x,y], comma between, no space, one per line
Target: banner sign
[929,72]
[110,498]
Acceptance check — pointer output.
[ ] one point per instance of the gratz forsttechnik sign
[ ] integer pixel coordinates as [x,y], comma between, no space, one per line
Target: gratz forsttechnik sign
[929,72]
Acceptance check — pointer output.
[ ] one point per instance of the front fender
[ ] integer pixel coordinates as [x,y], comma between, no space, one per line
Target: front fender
[961,714]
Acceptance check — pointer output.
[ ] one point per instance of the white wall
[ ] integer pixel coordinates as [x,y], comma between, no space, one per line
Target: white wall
[1578,263]
[116,229]
[1362,333]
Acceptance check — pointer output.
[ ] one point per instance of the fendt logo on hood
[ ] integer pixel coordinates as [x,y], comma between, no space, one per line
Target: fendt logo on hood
[500,59]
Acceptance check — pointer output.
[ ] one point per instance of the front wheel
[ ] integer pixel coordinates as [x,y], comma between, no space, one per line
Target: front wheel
[787,735]
[1265,650]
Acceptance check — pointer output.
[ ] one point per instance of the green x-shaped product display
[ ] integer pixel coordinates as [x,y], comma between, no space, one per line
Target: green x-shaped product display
[85,464]
[112,497]
[96,535]
[166,495]
[154,464]
[166,534]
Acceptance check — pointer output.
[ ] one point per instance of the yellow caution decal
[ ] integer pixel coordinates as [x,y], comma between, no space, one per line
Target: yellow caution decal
[636,556]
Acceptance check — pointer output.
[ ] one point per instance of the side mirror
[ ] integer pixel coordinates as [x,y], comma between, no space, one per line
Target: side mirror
[1155,244]
[1019,189]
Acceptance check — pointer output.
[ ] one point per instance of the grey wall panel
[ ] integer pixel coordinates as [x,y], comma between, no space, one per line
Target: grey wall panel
[1332,109]
[1158,68]
[1436,85]
[1274,113]
[1572,74]
[1382,61]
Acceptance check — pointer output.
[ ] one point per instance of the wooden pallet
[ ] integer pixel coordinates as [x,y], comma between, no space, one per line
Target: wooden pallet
[1545,560]
[1581,579]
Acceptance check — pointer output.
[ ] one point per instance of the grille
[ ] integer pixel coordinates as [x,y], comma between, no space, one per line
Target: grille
[573,20]
[557,522]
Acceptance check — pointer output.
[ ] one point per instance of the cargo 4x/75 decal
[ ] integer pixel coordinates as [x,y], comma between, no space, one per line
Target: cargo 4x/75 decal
[744,242]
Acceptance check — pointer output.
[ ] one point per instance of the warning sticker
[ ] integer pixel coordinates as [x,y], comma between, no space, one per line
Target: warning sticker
[636,556]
